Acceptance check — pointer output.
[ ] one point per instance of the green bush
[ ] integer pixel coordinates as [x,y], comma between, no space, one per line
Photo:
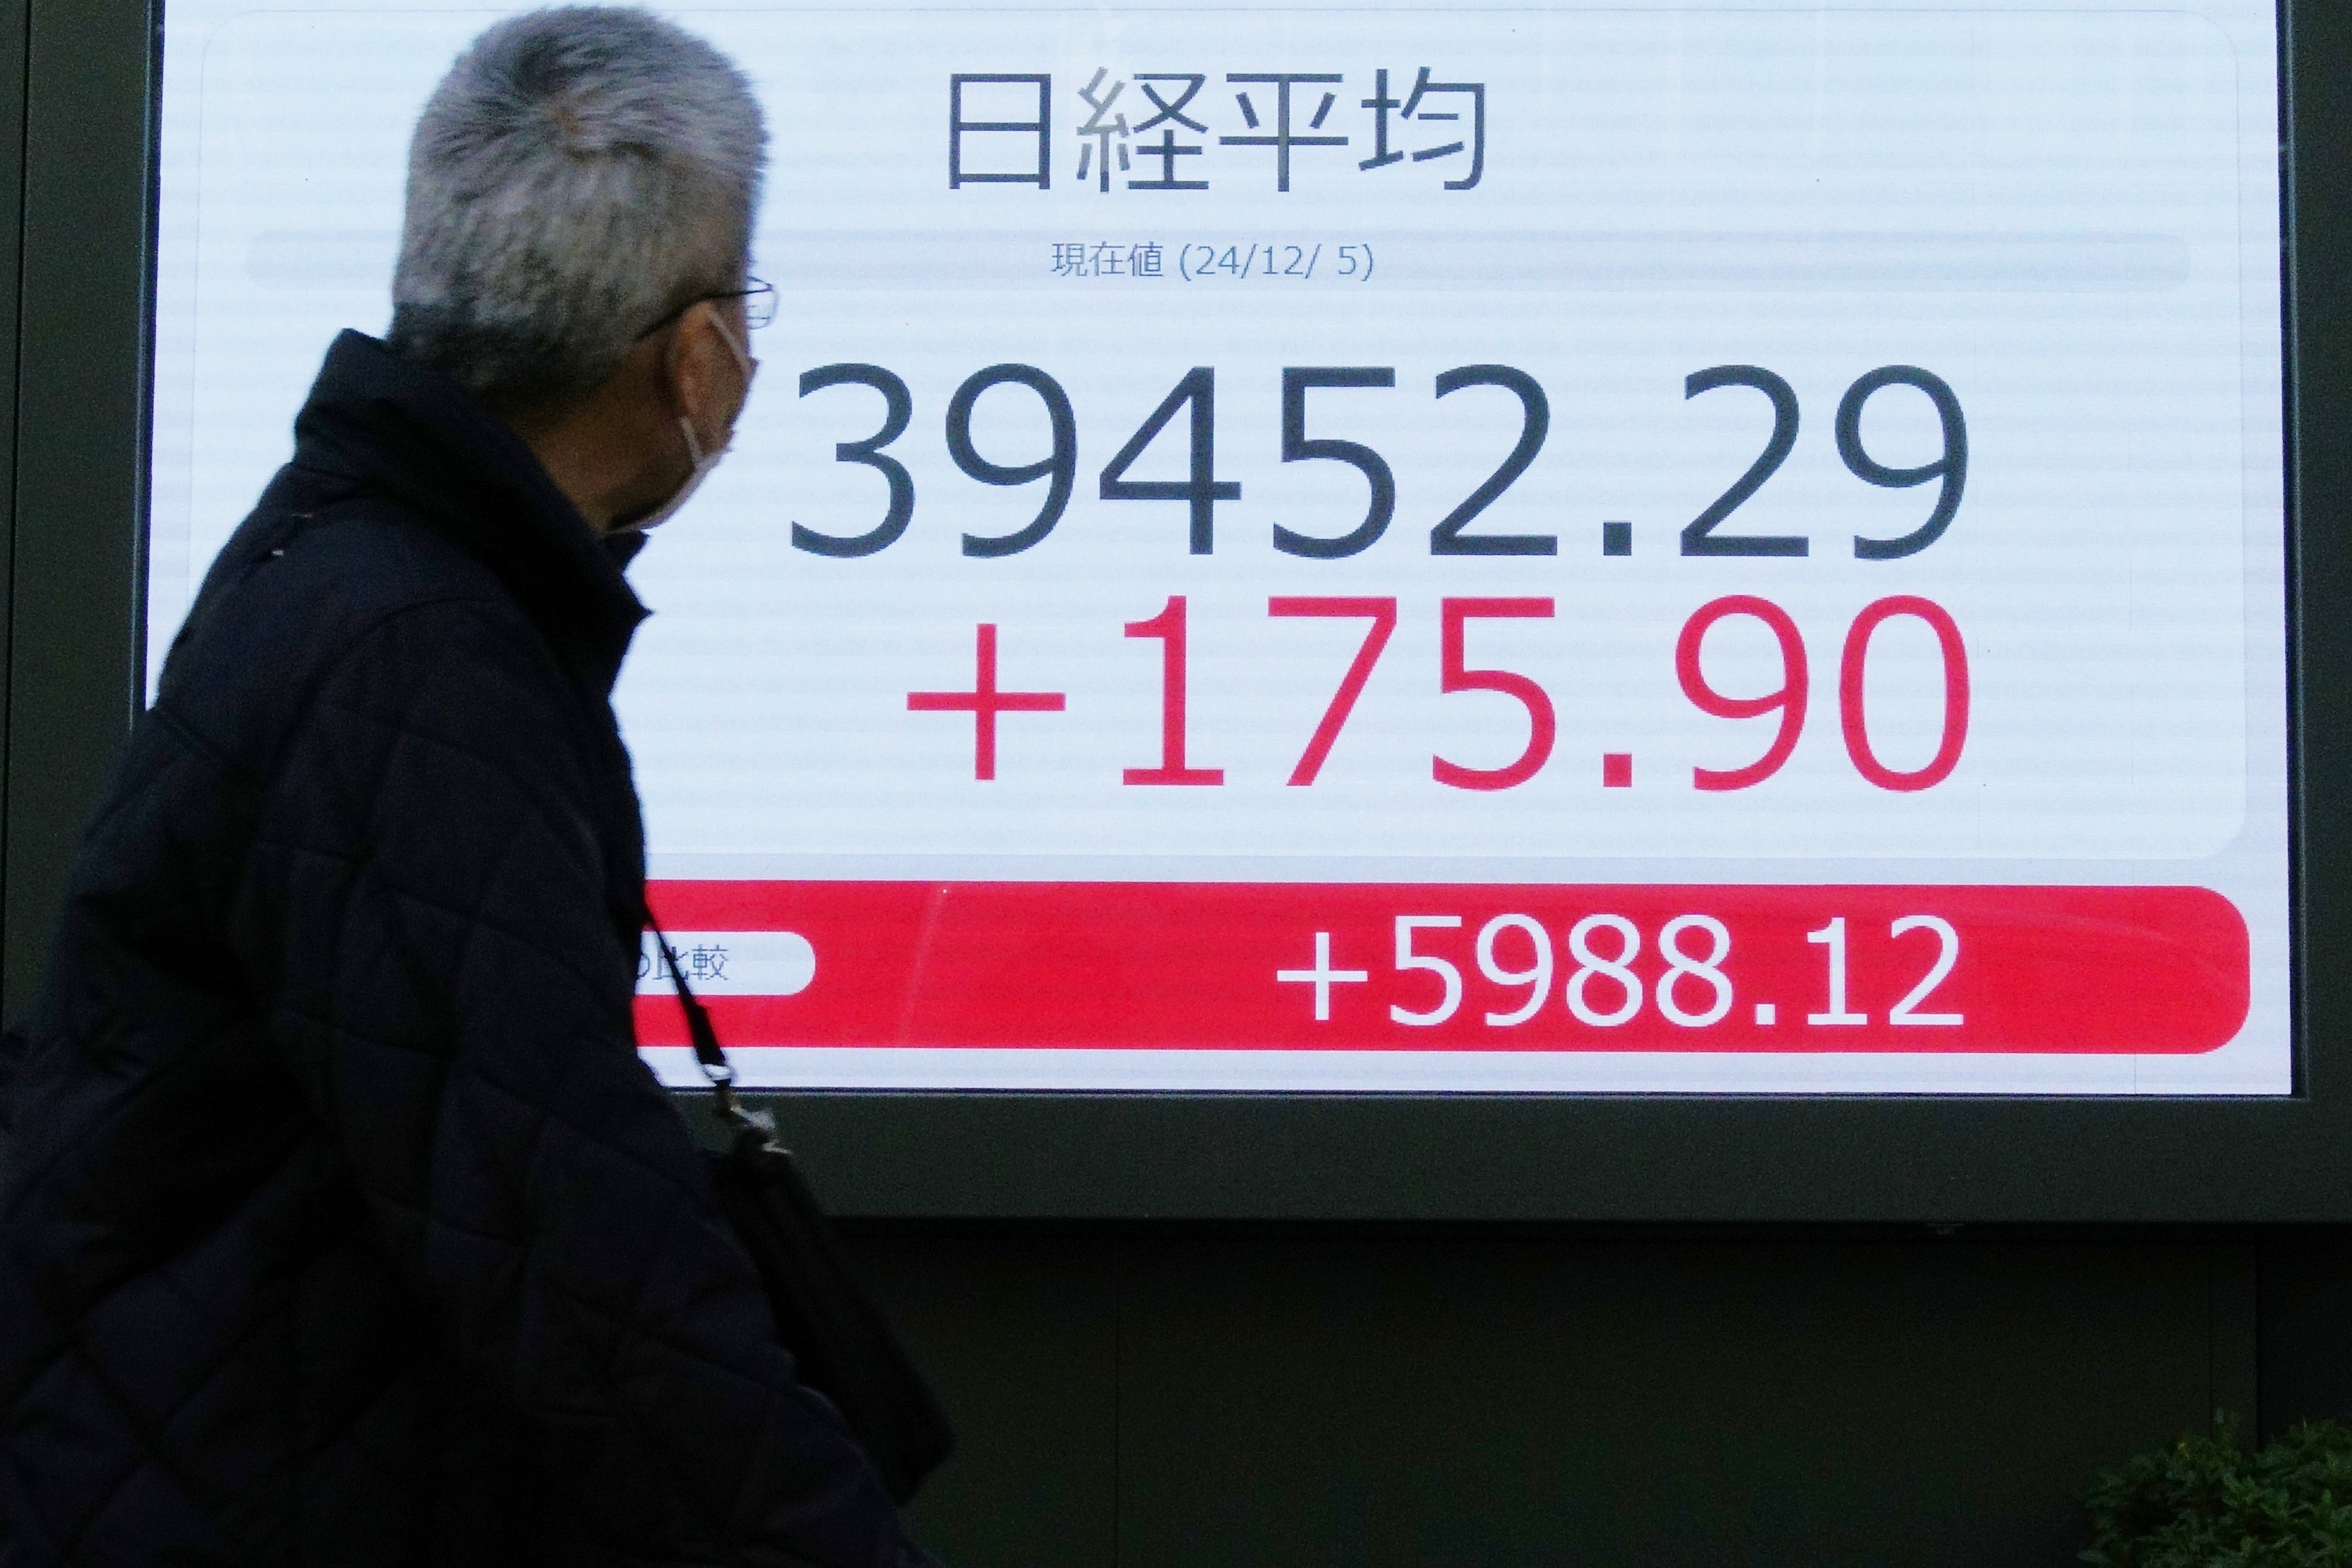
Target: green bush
[2206,1502]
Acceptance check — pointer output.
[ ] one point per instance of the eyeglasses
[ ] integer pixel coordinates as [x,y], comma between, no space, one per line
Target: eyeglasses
[759,302]
[759,306]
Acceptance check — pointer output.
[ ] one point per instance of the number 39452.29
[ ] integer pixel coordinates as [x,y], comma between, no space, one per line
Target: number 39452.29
[1201,490]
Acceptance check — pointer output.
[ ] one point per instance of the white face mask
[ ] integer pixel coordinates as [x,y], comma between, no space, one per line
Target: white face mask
[703,461]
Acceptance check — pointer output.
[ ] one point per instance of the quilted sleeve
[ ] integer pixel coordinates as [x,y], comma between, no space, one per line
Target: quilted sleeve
[424,913]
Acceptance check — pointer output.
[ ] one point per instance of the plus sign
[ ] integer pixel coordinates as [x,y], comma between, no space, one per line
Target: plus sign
[984,702]
[1322,977]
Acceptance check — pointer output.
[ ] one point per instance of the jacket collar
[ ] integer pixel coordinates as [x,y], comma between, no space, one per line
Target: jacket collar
[419,437]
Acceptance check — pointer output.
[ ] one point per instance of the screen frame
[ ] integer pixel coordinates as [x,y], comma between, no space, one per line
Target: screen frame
[76,610]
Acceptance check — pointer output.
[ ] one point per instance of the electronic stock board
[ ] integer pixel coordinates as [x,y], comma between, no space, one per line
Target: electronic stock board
[1405,549]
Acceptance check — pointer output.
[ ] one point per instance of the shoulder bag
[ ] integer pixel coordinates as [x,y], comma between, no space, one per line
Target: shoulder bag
[845,1347]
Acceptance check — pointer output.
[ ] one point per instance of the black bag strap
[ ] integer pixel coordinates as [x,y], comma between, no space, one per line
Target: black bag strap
[707,1052]
[845,1347]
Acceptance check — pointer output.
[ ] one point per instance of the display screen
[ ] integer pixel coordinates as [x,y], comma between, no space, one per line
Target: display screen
[1583,548]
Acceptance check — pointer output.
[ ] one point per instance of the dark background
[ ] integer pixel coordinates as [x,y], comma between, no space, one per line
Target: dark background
[1292,1331]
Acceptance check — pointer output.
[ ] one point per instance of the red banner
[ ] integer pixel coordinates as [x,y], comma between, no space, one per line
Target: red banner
[1355,967]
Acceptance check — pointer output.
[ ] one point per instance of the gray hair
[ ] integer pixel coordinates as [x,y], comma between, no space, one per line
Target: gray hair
[580,173]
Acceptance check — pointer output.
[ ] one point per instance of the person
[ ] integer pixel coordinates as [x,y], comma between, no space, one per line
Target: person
[341,1221]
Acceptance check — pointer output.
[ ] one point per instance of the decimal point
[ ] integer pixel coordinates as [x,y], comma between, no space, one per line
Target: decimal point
[1617,770]
[1767,1015]
[1616,539]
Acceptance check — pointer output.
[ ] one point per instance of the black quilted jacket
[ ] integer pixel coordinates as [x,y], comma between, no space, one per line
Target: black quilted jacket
[342,1223]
